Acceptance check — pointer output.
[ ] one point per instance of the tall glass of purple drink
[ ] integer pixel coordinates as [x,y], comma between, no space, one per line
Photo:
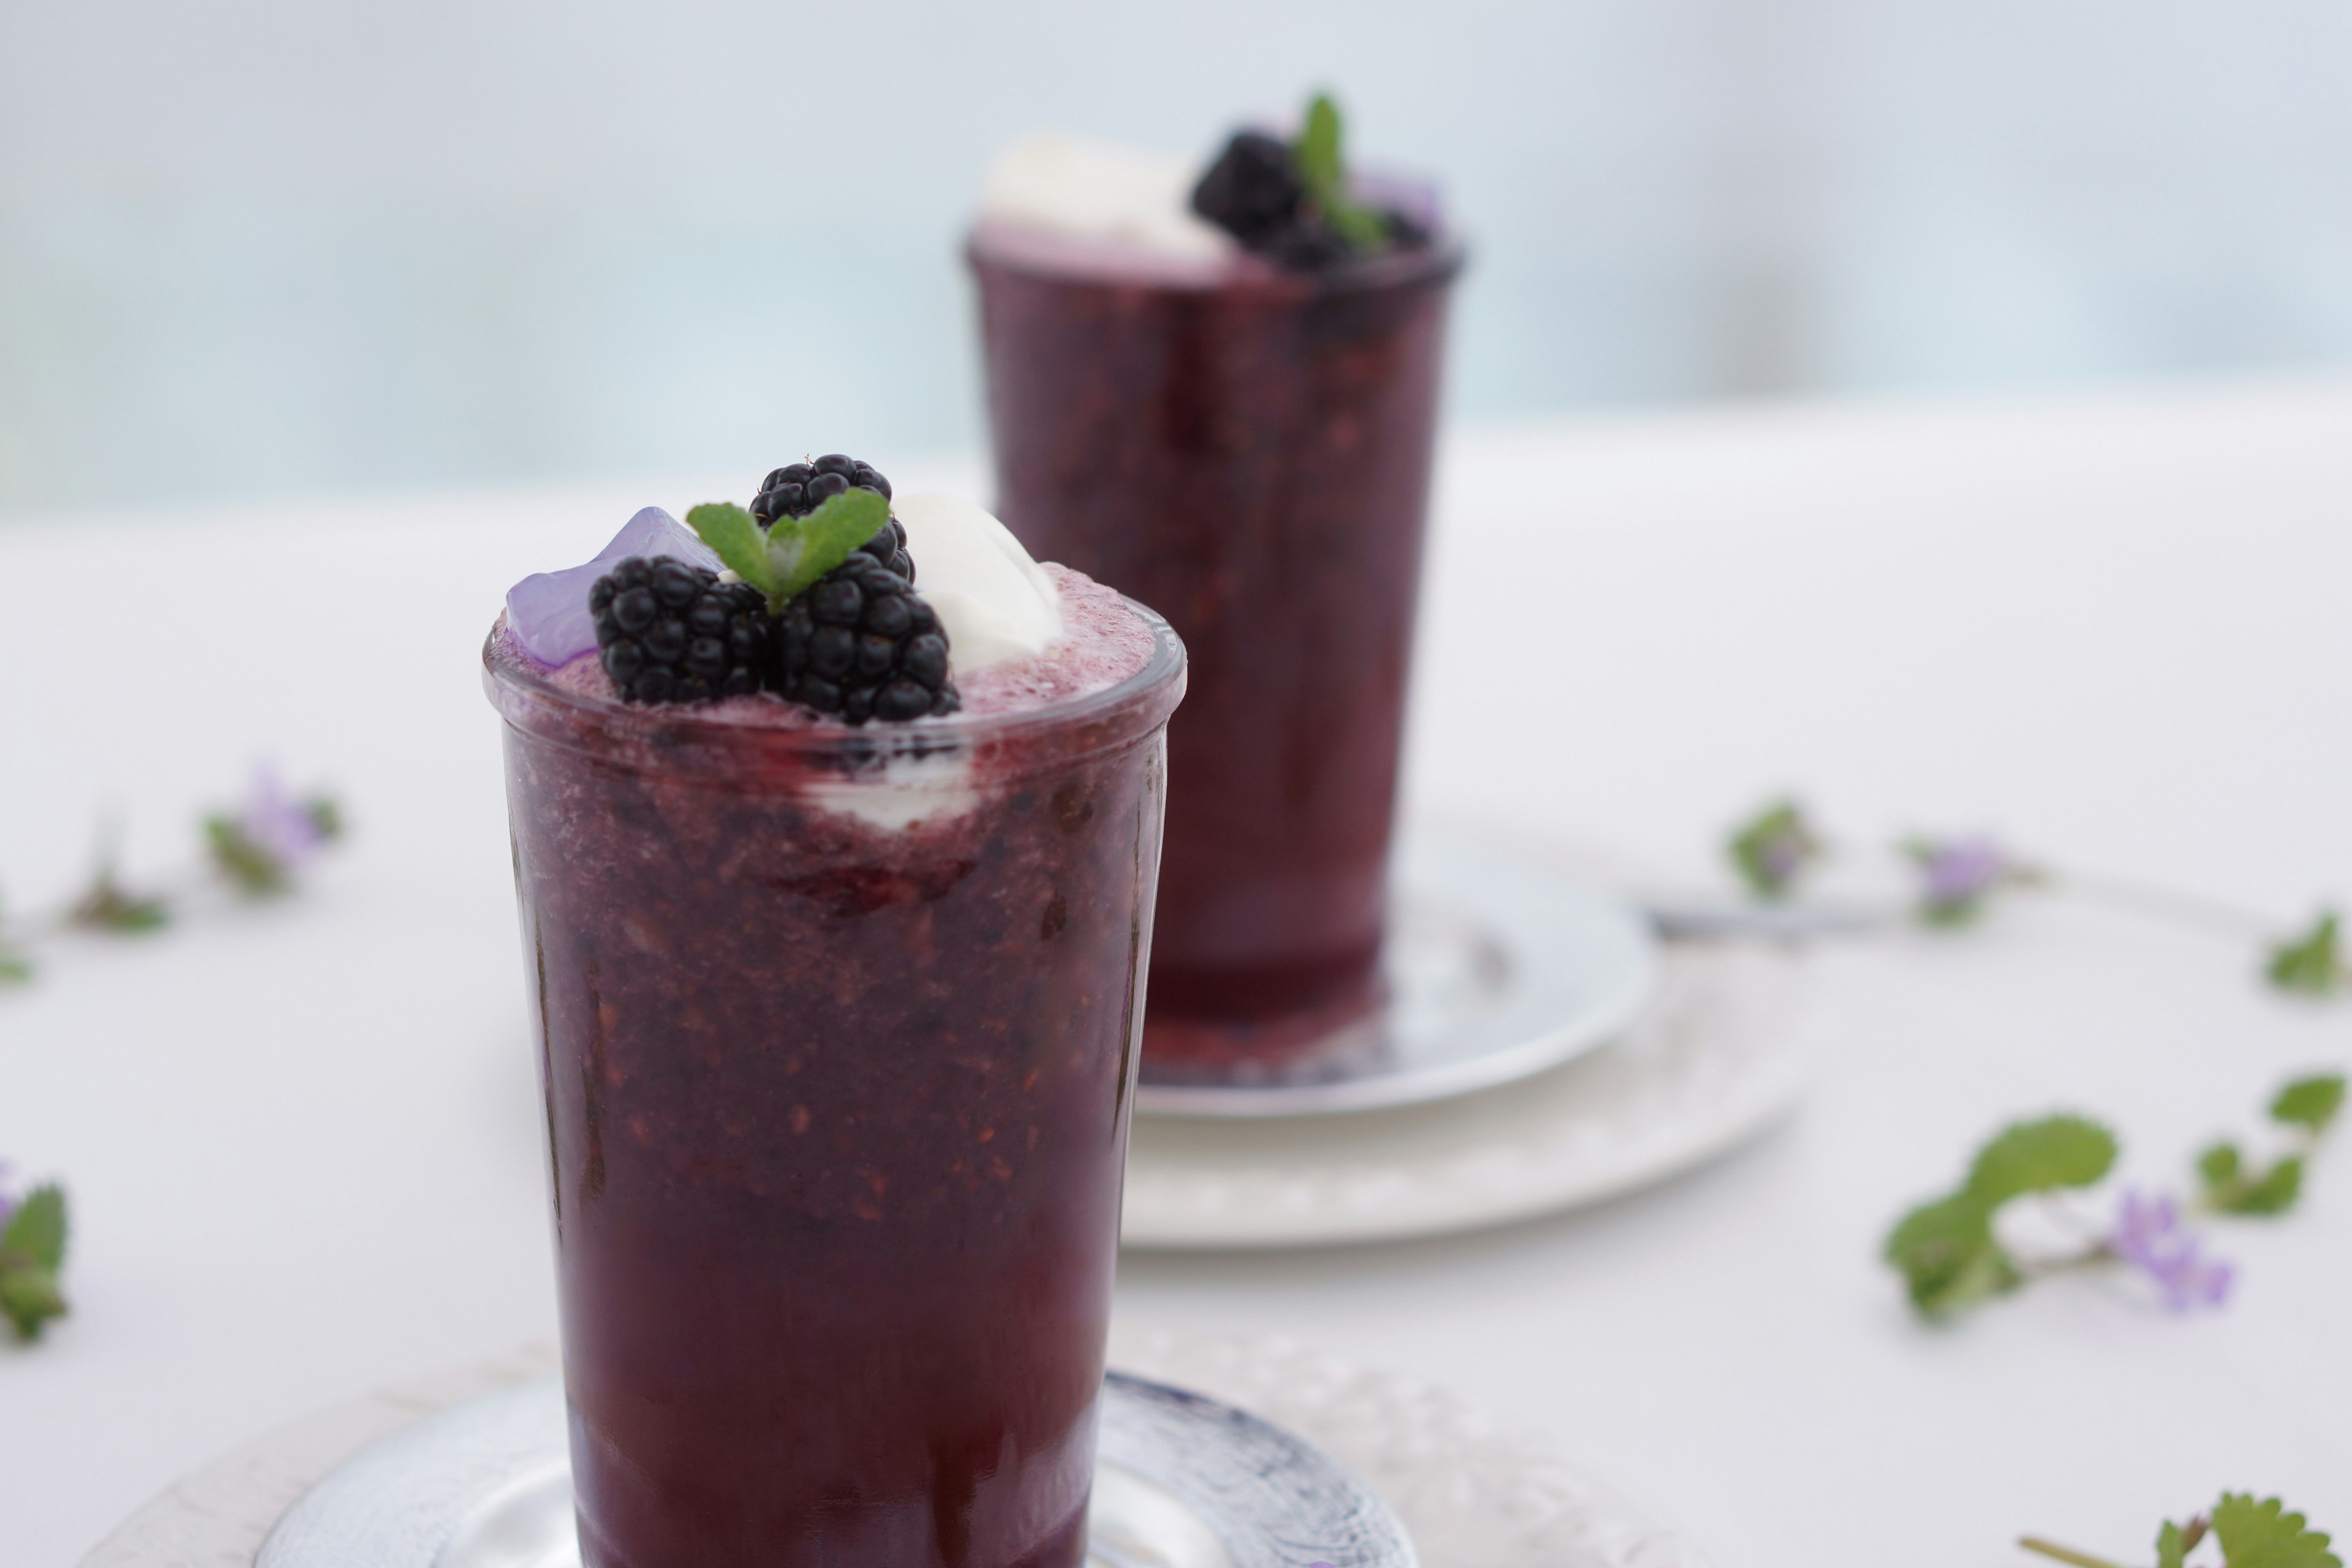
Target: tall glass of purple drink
[1246,446]
[837,1028]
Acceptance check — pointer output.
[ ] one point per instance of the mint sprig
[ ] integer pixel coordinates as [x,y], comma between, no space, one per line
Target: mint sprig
[2250,1533]
[792,552]
[32,1254]
[1321,156]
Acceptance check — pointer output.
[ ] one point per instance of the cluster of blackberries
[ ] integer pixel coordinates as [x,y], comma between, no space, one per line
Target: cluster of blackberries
[670,632]
[1254,193]
[859,642]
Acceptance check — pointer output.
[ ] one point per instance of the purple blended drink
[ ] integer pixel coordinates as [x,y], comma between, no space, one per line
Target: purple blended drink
[1235,422]
[838,1024]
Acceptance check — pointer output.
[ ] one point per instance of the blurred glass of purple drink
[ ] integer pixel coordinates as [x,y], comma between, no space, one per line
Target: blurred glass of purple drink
[1241,435]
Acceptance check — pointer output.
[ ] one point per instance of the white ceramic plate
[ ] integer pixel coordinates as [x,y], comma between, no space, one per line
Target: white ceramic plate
[1469,1496]
[1181,1481]
[1500,964]
[1727,1043]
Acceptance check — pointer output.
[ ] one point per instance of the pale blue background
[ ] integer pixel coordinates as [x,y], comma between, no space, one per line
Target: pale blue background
[277,247]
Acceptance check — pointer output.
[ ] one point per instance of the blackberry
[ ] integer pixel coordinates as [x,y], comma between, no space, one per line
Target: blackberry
[861,643]
[1253,191]
[797,490]
[670,632]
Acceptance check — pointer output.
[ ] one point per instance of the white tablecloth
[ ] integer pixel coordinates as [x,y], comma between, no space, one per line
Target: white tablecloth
[301,1144]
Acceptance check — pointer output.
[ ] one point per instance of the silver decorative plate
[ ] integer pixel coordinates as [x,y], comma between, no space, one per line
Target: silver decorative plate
[1498,966]
[1181,1481]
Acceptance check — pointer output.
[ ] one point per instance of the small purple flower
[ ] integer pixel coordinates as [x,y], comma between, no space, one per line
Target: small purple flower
[1957,874]
[261,844]
[2150,1236]
[274,822]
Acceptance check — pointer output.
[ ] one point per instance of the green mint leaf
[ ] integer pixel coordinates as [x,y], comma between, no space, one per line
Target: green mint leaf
[2039,1157]
[2171,1546]
[2311,964]
[1948,1257]
[253,868]
[2220,1166]
[37,1231]
[2310,1102]
[2262,1534]
[736,537]
[802,549]
[15,969]
[2274,1192]
[29,1297]
[1322,163]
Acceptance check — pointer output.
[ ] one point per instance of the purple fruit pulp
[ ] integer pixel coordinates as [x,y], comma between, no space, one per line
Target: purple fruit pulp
[1251,455]
[836,1115]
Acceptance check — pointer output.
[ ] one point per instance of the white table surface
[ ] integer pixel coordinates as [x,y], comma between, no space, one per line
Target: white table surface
[301,1144]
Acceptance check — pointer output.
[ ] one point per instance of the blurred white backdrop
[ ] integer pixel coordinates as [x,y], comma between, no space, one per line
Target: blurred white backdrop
[265,247]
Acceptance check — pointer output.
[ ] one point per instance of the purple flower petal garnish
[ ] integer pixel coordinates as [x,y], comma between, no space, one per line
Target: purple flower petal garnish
[547,612]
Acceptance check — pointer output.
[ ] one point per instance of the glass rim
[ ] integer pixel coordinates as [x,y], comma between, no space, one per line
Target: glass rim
[1437,262]
[521,689]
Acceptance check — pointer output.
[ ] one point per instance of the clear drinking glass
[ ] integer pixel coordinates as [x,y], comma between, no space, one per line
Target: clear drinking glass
[836,1112]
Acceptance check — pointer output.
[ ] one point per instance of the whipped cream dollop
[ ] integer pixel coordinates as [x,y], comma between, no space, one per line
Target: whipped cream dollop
[993,600]
[1101,190]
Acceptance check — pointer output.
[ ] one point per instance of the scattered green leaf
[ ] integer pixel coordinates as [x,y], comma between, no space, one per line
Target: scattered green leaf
[2310,1103]
[1774,849]
[109,905]
[2262,1534]
[29,1297]
[327,815]
[1948,1251]
[2234,1185]
[253,868]
[1949,1256]
[37,1231]
[2042,1156]
[2310,964]
[32,1251]
[15,969]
